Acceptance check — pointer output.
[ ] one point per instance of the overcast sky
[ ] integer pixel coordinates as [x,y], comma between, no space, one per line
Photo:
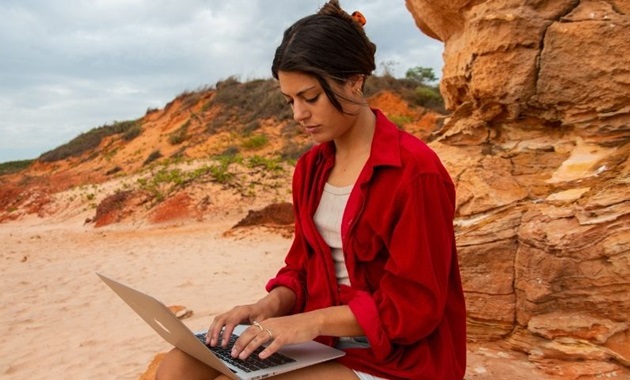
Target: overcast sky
[69,66]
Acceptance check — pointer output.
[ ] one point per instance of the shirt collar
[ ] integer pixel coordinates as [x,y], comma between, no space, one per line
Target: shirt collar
[386,142]
[385,150]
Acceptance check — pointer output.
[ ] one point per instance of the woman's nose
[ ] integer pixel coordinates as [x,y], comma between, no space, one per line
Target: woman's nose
[300,112]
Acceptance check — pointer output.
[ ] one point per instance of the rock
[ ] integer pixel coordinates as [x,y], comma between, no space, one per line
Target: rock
[149,374]
[114,208]
[538,143]
[275,214]
[181,312]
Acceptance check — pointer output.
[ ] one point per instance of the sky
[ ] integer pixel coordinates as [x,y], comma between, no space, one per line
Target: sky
[69,66]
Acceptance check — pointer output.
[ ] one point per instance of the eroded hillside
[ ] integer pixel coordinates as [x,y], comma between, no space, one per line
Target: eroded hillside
[232,144]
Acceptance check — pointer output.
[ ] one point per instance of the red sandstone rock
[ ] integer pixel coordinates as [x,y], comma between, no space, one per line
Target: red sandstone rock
[538,143]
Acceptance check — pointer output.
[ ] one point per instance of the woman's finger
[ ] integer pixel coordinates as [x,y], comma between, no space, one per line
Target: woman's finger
[270,349]
[249,341]
[223,325]
[215,329]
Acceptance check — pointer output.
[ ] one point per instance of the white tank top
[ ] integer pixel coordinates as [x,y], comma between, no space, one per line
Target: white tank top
[328,219]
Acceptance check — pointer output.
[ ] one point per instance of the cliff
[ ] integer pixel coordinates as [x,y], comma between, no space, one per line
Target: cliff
[538,144]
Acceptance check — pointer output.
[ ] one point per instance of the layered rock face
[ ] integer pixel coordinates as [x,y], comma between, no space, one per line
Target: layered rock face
[539,144]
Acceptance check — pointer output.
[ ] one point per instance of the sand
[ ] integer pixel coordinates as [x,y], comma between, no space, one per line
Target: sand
[59,321]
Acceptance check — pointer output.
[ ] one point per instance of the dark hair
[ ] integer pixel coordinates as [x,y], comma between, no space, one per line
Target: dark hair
[327,45]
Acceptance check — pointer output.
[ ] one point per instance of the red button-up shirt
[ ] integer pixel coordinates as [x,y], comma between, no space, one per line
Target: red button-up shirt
[399,247]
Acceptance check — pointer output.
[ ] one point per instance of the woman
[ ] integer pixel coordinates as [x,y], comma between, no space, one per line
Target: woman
[373,267]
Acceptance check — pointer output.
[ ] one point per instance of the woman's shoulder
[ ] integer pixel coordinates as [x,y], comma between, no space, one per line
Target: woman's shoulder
[414,149]
[402,148]
[418,158]
[316,155]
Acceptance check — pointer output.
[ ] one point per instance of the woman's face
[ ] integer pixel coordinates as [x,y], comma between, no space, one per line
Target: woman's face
[312,108]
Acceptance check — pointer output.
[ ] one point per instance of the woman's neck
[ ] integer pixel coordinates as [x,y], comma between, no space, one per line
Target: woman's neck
[358,140]
[353,150]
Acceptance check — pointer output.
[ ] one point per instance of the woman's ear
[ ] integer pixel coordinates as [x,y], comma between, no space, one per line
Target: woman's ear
[355,84]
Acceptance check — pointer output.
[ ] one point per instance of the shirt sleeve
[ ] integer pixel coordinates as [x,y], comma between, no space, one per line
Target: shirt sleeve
[293,274]
[410,300]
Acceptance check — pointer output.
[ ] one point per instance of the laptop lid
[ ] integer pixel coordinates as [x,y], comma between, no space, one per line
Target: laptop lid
[175,332]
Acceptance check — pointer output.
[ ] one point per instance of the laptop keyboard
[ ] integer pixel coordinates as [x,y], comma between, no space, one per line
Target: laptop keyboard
[252,363]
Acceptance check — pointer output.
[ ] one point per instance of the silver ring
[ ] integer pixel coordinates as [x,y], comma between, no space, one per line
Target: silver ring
[255,323]
[270,334]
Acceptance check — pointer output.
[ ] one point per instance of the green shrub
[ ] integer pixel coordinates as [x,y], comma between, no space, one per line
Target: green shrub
[428,97]
[132,132]
[421,75]
[180,135]
[217,123]
[190,98]
[220,173]
[230,151]
[409,89]
[162,183]
[375,84]
[253,100]
[156,154]
[400,120]
[255,141]
[114,170]
[87,141]
[11,167]
[269,164]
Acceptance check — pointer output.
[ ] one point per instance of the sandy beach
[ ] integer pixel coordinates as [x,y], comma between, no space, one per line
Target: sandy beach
[59,321]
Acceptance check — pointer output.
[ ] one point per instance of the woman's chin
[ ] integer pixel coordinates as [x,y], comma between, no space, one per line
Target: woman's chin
[319,139]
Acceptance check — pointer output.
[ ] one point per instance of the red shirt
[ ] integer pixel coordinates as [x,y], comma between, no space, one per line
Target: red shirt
[399,247]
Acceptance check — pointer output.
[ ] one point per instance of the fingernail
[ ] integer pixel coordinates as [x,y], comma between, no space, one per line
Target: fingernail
[234,352]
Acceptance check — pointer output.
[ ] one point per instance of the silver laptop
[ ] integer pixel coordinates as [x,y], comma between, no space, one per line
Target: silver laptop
[174,331]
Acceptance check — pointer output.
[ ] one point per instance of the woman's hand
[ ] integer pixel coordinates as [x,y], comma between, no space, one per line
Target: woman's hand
[297,328]
[225,323]
[276,303]
[277,332]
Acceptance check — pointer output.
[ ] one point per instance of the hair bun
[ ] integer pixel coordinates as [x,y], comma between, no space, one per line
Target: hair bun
[359,18]
[332,8]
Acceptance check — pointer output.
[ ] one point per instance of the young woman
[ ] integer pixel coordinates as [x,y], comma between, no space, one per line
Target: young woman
[373,267]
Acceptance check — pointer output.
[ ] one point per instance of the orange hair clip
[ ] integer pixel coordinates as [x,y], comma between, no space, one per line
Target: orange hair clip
[358,17]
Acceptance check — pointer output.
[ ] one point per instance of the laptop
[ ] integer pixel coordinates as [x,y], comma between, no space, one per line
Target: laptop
[175,332]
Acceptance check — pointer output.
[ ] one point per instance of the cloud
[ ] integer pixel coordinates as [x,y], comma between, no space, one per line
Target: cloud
[66,69]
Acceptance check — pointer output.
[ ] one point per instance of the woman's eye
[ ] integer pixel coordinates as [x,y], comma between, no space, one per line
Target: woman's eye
[312,100]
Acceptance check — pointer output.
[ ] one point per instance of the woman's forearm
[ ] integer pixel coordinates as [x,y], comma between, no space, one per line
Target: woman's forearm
[276,303]
[336,321]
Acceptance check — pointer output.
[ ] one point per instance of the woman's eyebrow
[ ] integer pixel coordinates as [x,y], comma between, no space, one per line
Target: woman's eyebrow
[301,93]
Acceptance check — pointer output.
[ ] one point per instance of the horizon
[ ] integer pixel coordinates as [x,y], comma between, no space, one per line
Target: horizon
[68,71]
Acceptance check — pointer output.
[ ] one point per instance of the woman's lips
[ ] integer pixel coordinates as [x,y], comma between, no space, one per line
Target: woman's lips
[310,129]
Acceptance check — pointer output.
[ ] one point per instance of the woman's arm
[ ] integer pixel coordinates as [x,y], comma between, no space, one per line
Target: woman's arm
[335,321]
[278,302]
[297,328]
